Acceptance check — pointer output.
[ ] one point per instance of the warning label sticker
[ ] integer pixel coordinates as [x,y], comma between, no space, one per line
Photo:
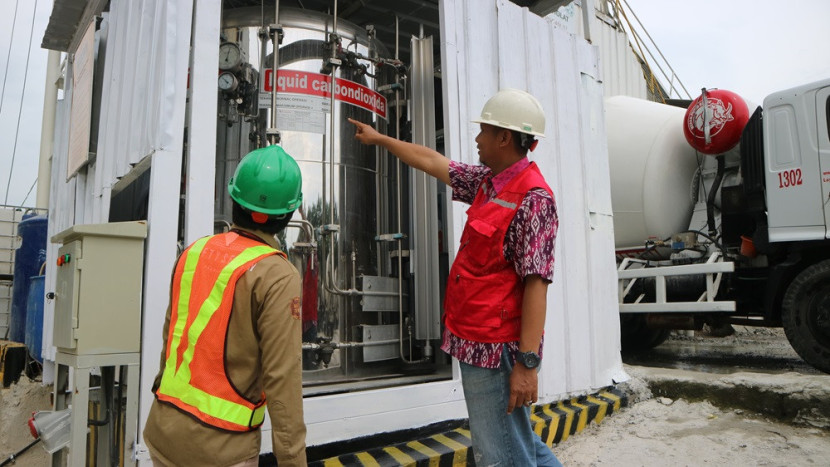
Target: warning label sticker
[319,85]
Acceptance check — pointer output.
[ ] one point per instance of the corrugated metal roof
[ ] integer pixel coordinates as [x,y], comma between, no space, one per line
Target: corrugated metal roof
[68,15]
[65,21]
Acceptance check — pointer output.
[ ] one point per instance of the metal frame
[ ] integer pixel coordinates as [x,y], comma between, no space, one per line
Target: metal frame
[78,398]
[713,269]
[427,289]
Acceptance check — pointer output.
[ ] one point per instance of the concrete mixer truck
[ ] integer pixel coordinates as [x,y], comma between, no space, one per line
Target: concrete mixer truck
[722,215]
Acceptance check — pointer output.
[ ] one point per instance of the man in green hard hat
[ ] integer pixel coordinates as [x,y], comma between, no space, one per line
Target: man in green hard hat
[232,335]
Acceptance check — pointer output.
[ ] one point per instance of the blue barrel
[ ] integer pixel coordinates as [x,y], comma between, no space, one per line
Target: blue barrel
[34,317]
[27,261]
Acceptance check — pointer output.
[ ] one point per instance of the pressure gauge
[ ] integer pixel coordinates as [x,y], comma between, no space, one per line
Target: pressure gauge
[230,56]
[228,82]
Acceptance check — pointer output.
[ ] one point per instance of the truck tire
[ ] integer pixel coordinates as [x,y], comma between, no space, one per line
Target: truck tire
[636,335]
[805,313]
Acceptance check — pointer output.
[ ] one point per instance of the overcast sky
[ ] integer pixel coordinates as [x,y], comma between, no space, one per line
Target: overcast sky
[751,47]
[18,30]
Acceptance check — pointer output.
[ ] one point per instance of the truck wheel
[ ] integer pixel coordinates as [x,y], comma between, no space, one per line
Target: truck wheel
[636,335]
[805,313]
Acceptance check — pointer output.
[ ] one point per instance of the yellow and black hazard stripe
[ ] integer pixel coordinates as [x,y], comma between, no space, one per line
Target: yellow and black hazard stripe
[441,450]
[556,421]
[553,422]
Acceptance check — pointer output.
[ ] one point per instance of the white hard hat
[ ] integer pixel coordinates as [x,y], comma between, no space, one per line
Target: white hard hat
[514,110]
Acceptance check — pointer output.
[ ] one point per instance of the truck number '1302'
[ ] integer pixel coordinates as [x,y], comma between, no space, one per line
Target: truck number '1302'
[789,178]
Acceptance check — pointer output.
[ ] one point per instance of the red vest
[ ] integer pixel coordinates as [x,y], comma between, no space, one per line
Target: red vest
[194,378]
[484,294]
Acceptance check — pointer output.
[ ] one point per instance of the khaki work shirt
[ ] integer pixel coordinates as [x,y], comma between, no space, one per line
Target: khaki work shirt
[263,353]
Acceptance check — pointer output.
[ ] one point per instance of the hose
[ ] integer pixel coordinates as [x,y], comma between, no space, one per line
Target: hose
[712,239]
[710,202]
[13,458]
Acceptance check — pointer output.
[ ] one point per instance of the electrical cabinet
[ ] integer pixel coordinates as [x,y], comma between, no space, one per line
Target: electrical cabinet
[98,288]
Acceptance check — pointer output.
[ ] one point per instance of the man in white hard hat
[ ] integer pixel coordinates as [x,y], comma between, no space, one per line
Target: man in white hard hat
[497,289]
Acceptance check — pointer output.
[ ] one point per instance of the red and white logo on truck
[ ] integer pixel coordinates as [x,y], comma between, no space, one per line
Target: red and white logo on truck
[724,113]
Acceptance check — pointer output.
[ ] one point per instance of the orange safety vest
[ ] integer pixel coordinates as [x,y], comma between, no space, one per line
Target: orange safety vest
[194,378]
[483,302]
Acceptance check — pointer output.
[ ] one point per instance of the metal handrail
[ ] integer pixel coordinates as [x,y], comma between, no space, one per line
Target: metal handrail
[638,41]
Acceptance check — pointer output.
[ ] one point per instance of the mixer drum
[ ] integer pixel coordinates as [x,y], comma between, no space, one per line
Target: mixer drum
[652,168]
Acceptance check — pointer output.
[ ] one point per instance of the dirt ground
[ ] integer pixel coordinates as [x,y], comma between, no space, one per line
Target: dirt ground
[658,432]
[662,432]
[17,402]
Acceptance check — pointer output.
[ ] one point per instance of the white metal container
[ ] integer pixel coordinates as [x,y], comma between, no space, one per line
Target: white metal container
[652,168]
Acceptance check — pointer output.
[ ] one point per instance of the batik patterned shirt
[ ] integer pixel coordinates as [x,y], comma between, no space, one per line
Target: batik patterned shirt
[528,245]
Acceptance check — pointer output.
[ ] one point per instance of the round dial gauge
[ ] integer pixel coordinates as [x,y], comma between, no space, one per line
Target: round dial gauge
[228,82]
[230,56]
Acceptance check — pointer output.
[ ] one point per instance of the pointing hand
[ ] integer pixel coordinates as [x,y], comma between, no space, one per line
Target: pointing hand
[364,133]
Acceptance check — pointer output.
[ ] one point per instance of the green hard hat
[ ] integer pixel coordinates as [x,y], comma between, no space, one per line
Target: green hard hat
[267,180]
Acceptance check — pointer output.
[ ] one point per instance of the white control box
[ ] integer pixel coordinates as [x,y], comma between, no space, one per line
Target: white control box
[98,288]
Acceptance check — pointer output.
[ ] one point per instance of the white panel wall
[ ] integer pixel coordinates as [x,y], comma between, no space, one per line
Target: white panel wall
[620,70]
[486,45]
[142,120]
[495,44]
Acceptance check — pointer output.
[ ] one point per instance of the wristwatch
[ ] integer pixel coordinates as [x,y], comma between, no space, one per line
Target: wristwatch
[528,359]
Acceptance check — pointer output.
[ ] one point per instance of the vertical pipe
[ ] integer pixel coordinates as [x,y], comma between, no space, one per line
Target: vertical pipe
[262,120]
[334,27]
[398,199]
[707,116]
[332,92]
[273,137]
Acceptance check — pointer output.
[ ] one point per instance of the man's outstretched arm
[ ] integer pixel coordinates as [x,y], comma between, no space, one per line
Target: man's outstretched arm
[413,155]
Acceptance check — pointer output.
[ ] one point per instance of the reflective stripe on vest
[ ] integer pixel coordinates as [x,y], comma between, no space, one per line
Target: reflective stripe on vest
[230,411]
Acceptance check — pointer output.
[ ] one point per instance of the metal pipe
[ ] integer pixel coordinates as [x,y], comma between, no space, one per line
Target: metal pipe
[334,27]
[273,135]
[262,120]
[307,228]
[331,282]
[399,202]
[713,193]
[332,92]
[354,269]
[398,191]
[343,345]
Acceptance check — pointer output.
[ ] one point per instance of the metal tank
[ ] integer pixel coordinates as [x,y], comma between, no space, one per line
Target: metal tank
[348,235]
[652,170]
[28,261]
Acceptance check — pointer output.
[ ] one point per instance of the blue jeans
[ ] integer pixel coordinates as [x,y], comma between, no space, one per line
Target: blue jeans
[500,439]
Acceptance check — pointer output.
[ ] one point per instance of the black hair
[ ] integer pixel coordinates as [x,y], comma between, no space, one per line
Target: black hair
[522,141]
[274,224]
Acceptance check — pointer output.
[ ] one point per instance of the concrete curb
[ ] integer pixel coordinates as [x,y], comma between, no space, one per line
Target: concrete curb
[791,397]
[554,422]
